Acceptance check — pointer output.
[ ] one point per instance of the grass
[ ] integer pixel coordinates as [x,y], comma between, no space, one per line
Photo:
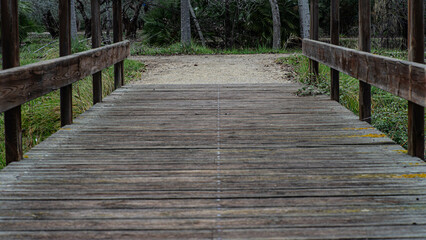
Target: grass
[41,116]
[139,48]
[389,112]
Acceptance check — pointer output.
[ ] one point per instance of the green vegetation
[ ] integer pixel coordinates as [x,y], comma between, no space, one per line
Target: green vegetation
[139,48]
[229,27]
[230,24]
[41,116]
[162,24]
[389,113]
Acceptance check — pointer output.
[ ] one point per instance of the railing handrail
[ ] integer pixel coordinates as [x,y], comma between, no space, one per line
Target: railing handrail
[402,78]
[21,84]
[406,79]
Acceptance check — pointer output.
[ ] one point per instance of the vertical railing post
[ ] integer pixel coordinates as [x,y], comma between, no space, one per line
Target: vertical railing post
[118,37]
[364,42]
[10,48]
[334,39]
[64,50]
[416,113]
[313,65]
[96,42]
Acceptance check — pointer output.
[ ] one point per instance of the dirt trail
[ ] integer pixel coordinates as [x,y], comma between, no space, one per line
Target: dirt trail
[213,69]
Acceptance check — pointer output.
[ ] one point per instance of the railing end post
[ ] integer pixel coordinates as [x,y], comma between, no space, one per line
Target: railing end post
[13,135]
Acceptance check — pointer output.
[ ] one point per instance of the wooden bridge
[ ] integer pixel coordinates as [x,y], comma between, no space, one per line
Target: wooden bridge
[211,161]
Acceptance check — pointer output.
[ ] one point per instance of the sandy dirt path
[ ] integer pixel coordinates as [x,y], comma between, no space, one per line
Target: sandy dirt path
[213,69]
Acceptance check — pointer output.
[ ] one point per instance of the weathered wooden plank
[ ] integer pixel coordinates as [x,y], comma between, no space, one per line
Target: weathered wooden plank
[402,78]
[400,232]
[10,53]
[374,202]
[416,113]
[22,84]
[199,223]
[203,185]
[260,214]
[212,164]
[168,193]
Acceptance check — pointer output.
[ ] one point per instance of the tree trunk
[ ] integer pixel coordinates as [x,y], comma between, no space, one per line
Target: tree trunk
[52,26]
[304,16]
[131,23]
[197,25]
[86,19]
[228,25]
[108,24]
[276,42]
[185,23]
[73,21]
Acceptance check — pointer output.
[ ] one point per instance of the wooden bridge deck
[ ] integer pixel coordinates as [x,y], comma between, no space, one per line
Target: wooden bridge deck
[214,162]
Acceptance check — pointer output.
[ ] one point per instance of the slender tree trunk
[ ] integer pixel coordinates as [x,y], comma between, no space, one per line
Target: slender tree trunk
[185,27]
[276,42]
[131,23]
[52,26]
[108,24]
[86,19]
[304,16]
[197,25]
[73,22]
[228,25]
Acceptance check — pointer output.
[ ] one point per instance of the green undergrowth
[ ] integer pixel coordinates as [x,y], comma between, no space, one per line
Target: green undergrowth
[389,112]
[139,48]
[41,116]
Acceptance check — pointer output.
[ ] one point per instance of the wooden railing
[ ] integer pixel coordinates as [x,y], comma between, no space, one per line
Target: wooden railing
[19,85]
[405,79]
[401,78]
[22,84]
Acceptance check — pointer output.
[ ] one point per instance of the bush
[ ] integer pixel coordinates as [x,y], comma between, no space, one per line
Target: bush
[162,24]
[249,25]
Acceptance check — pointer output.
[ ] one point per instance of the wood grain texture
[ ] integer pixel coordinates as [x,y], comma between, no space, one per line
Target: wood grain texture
[314,34]
[22,84]
[401,78]
[214,162]
[96,42]
[416,121]
[364,44]
[10,57]
[65,50]
[334,37]
[118,37]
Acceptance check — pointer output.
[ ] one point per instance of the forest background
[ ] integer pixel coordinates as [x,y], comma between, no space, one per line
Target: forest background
[222,23]
[211,26]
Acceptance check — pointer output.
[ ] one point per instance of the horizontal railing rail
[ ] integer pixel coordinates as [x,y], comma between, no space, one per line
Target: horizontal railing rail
[402,78]
[21,84]
[405,79]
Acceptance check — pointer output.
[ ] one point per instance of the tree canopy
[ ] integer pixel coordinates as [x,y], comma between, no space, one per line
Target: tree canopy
[216,23]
